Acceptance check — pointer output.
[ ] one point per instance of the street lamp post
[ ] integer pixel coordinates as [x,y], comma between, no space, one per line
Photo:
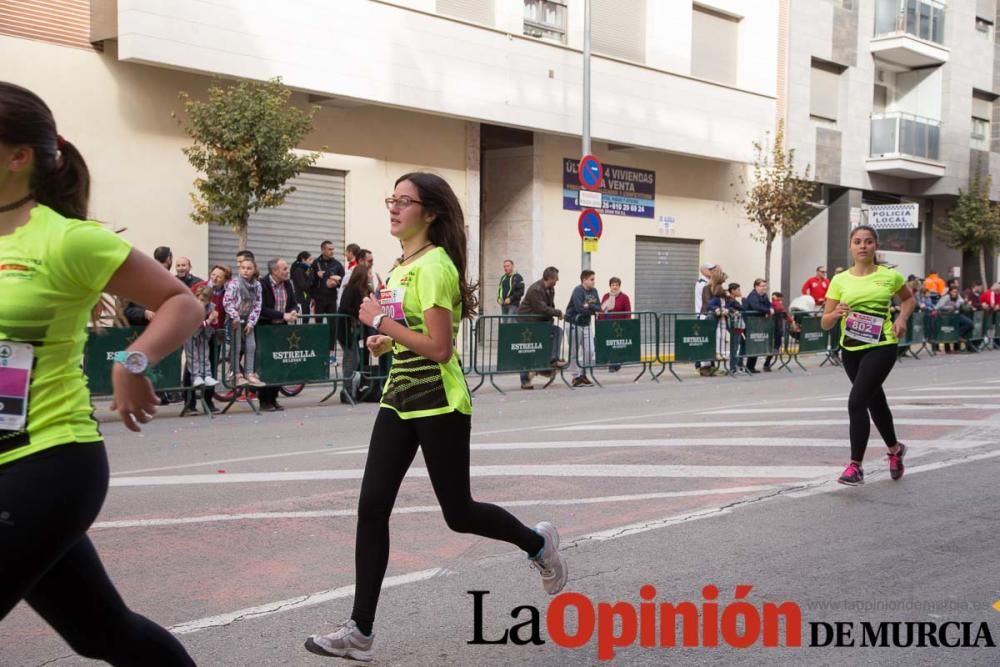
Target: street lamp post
[585,256]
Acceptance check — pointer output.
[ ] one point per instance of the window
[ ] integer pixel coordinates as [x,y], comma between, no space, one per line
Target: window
[545,19]
[824,92]
[984,29]
[618,28]
[980,134]
[714,45]
[920,18]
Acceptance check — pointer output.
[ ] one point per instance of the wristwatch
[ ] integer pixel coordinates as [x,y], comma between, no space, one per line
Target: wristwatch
[135,362]
[377,320]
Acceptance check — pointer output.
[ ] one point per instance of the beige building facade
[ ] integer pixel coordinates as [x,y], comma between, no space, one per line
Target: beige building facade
[485,93]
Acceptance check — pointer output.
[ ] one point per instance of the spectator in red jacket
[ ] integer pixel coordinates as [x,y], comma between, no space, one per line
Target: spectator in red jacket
[615,304]
[817,285]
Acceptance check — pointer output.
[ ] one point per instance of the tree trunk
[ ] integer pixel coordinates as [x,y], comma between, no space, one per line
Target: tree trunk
[768,240]
[982,267]
[242,231]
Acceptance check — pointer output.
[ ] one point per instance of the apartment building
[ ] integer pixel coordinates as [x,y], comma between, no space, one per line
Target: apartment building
[892,101]
[487,93]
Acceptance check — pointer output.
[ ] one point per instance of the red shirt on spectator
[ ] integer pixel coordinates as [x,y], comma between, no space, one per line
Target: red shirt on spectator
[217,296]
[816,288]
[620,308]
[989,298]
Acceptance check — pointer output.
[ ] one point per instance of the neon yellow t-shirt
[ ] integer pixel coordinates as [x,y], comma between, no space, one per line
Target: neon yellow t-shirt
[869,298]
[52,272]
[417,386]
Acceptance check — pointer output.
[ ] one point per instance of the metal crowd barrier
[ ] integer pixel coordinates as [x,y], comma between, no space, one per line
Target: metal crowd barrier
[613,340]
[507,344]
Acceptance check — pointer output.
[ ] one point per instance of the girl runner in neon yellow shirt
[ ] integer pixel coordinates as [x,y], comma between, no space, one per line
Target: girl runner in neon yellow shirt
[54,265]
[859,300]
[425,404]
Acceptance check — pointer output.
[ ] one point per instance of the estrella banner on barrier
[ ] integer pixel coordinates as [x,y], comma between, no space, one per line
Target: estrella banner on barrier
[293,353]
[812,337]
[946,328]
[617,341]
[694,340]
[978,329]
[524,346]
[98,360]
[759,336]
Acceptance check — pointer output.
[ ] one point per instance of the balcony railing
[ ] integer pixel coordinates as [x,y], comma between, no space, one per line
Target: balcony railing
[923,19]
[898,134]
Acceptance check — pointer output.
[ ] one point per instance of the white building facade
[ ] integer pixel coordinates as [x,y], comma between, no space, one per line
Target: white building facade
[486,93]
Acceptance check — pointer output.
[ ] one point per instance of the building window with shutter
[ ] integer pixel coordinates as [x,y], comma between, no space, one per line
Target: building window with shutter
[980,134]
[714,45]
[545,19]
[824,91]
[474,11]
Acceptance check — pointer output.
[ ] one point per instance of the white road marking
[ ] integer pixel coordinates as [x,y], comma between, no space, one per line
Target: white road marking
[971,387]
[599,536]
[896,407]
[712,442]
[298,602]
[631,426]
[660,471]
[896,395]
[422,509]
[243,459]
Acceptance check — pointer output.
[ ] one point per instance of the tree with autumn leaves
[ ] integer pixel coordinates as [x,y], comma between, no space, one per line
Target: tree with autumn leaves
[973,223]
[775,196]
[244,135]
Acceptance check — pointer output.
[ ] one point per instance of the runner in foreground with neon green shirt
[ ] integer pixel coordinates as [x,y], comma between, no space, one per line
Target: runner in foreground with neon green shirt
[859,299]
[425,404]
[54,265]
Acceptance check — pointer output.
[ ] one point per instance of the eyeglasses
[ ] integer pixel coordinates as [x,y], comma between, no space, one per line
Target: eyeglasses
[401,202]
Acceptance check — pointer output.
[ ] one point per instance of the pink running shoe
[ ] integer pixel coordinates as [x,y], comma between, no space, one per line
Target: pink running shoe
[896,462]
[853,475]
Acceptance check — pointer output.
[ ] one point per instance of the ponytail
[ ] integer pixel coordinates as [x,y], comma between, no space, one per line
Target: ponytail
[65,188]
[59,175]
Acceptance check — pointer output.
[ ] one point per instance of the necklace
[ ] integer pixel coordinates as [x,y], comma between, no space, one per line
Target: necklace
[413,254]
[18,204]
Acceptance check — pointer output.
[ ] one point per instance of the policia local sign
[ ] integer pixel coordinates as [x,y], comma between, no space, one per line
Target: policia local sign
[894,216]
[624,190]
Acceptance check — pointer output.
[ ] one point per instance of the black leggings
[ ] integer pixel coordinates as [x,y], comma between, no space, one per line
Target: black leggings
[444,440]
[868,369]
[47,502]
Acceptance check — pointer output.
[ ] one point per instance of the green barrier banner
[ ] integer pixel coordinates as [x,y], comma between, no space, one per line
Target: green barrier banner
[946,329]
[291,354]
[978,330]
[524,346]
[617,342]
[759,336]
[695,340]
[915,332]
[98,360]
[812,338]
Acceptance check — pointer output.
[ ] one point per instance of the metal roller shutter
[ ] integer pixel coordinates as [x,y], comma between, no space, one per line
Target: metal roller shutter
[665,273]
[618,28]
[475,11]
[310,215]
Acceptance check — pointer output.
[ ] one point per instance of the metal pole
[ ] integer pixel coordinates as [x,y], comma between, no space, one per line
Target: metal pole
[585,256]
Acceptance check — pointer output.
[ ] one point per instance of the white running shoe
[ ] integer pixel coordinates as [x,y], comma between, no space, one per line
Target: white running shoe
[197,381]
[551,564]
[347,641]
[210,381]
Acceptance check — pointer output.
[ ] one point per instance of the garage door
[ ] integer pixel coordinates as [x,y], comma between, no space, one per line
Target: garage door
[310,215]
[665,273]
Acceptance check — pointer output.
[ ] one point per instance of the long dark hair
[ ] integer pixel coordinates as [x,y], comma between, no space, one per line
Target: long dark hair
[59,177]
[361,278]
[448,229]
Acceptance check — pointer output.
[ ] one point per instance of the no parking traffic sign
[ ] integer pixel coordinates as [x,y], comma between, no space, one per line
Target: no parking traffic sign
[590,225]
[591,172]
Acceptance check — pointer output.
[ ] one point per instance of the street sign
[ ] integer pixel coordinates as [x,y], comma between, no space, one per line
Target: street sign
[588,199]
[590,224]
[591,172]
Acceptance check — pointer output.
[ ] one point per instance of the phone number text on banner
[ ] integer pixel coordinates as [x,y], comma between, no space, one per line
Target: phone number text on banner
[624,190]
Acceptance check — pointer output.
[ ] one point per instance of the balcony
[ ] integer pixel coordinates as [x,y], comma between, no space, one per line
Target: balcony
[909,33]
[905,145]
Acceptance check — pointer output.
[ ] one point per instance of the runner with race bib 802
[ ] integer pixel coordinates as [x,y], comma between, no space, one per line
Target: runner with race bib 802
[859,299]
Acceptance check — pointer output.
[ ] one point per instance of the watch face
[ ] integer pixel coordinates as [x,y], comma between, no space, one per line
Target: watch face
[136,362]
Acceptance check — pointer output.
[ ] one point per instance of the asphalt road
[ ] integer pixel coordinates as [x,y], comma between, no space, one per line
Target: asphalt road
[238,532]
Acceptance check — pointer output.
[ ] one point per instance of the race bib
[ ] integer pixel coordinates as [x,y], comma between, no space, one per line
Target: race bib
[15,377]
[391,301]
[864,328]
